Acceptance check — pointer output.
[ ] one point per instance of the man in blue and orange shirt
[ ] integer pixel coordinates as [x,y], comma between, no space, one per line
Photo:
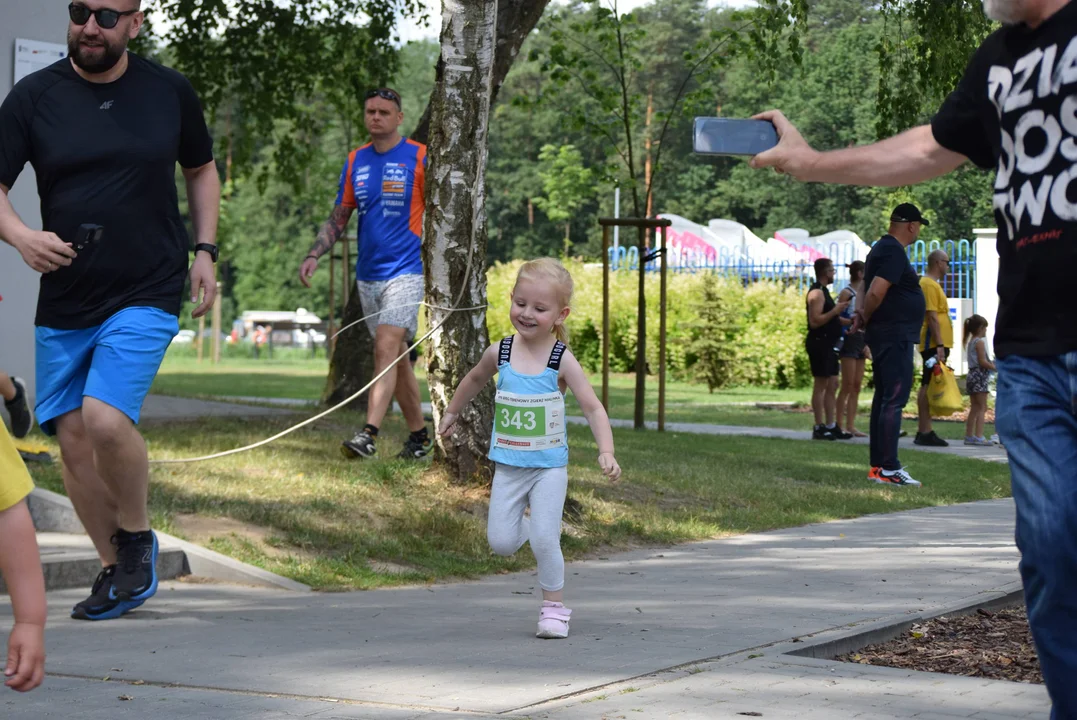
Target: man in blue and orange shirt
[384,181]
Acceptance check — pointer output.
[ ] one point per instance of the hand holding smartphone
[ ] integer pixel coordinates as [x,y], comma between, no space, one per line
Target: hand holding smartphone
[732,136]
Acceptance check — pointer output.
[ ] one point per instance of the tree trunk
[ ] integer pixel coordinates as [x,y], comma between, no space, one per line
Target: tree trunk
[352,363]
[454,246]
[515,21]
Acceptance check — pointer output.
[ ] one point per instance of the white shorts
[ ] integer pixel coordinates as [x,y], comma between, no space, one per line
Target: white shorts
[395,301]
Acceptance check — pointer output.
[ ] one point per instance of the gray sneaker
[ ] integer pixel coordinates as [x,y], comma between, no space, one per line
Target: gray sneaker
[362,445]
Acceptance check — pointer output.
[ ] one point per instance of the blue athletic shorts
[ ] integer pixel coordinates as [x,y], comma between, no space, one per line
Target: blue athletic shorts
[115,363]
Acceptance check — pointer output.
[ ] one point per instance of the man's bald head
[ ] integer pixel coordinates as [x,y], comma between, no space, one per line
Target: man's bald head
[938,264]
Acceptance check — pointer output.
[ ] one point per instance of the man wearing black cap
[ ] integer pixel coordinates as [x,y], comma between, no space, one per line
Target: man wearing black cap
[892,312]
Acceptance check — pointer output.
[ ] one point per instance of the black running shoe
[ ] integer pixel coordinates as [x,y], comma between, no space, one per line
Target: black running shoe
[98,606]
[930,439]
[821,432]
[362,445]
[22,417]
[136,567]
[840,434]
[414,448]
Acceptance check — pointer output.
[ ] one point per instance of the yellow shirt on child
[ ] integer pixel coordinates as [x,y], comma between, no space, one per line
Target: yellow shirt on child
[15,482]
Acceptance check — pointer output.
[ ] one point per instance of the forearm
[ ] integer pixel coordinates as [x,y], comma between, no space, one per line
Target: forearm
[20,564]
[11,225]
[871,304]
[331,231]
[600,428]
[204,199]
[906,159]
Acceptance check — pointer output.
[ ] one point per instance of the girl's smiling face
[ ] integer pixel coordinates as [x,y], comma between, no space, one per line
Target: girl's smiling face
[536,309]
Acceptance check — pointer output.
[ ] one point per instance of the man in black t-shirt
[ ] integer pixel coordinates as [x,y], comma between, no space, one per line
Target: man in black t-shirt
[1014,110]
[891,314]
[824,337]
[103,130]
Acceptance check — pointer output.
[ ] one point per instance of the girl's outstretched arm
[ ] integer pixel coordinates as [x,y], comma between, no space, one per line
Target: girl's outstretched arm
[470,386]
[594,412]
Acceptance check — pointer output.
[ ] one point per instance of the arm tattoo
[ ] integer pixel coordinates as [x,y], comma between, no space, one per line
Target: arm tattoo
[331,231]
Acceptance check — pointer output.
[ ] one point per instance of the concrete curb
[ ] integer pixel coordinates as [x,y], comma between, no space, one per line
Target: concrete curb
[54,513]
[78,569]
[832,643]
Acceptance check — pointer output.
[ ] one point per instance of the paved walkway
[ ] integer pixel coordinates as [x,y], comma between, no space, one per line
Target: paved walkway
[694,631]
[165,408]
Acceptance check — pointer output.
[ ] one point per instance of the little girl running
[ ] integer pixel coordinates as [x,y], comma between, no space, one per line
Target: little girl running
[529,444]
[980,369]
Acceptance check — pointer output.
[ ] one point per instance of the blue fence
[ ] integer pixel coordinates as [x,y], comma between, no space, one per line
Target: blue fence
[959,283]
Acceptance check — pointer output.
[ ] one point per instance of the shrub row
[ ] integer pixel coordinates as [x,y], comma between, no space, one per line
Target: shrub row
[719,331]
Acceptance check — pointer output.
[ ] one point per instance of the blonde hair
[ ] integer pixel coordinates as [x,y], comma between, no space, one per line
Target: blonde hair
[551,272]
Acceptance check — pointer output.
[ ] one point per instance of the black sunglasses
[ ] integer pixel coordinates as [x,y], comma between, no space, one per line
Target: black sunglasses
[80,15]
[385,94]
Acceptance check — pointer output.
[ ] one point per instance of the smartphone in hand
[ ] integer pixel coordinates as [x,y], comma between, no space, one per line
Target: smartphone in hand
[732,136]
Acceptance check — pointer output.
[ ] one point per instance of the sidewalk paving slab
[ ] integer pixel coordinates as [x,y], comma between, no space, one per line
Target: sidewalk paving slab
[469,647]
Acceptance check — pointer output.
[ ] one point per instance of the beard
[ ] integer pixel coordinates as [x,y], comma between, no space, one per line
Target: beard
[1007,12]
[96,60]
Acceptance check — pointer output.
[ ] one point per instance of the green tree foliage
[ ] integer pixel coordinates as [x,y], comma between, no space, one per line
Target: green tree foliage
[305,62]
[558,92]
[566,185]
[711,349]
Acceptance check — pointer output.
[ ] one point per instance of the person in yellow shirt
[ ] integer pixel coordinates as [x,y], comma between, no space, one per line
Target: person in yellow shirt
[936,339]
[20,566]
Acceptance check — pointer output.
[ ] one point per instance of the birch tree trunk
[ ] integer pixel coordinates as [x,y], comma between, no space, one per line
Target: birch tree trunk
[454,237]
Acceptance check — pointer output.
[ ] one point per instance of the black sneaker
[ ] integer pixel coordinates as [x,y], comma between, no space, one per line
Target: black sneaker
[840,434]
[362,445]
[98,606]
[415,448]
[136,567]
[22,417]
[930,440]
[820,432]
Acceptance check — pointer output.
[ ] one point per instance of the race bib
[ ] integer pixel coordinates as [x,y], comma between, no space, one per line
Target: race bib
[529,422]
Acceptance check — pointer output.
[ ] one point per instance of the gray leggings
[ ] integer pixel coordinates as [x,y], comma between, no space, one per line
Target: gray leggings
[544,490]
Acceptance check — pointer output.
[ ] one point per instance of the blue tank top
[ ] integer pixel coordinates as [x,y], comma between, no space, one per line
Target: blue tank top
[529,414]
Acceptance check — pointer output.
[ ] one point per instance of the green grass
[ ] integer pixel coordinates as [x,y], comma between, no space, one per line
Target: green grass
[689,403]
[338,524]
[297,379]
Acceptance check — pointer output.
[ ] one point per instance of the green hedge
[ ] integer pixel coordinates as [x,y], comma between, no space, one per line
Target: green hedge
[718,330]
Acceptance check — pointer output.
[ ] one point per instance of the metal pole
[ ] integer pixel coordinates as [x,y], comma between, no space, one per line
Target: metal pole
[641,339]
[616,214]
[606,318]
[216,326]
[662,341]
[332,342]
[347,286]
[201,333]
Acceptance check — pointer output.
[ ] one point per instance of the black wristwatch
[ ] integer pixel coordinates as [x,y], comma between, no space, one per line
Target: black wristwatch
[211,249]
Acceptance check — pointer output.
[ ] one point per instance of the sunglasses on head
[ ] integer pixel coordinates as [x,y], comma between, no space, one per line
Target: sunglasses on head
[107,19]
[385,94]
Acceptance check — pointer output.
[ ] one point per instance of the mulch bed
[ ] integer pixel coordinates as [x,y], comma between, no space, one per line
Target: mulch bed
[996,645]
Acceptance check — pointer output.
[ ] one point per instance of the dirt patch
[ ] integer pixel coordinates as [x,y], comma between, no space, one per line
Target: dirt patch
[201,529]
[389,568]
[993,645]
